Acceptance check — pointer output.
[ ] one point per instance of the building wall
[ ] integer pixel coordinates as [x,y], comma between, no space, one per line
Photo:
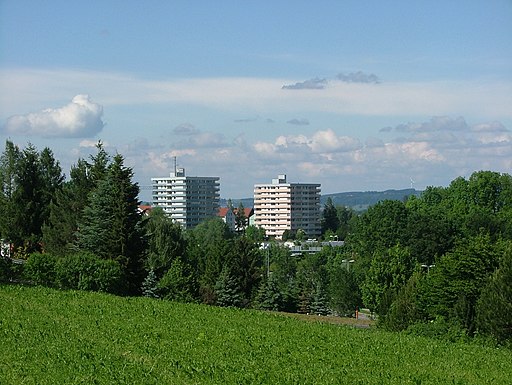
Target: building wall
[187,200]
[281,206]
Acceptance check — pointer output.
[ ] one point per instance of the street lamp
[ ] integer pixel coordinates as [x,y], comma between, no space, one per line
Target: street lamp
[428,267]
[347,262]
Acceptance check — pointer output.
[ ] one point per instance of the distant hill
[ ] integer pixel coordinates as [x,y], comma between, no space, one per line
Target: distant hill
[362,200]
[357,200]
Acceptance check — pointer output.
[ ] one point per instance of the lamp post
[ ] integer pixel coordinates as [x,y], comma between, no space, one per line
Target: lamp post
[347,263]
[428,267]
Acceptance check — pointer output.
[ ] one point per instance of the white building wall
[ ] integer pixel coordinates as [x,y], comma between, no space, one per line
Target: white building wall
[281,206]
[187,200]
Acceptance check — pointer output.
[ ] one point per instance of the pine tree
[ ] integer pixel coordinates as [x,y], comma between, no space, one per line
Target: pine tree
[318,303]
[149,285]
[111,224]
[66,210]
[9,168]
[178,283]
[269,295]
[228,290]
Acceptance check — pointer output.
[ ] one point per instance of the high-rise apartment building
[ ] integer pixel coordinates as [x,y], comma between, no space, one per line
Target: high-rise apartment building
[187,200]
[281,206]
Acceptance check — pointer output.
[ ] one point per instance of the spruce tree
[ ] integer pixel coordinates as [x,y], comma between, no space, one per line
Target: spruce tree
[111,224]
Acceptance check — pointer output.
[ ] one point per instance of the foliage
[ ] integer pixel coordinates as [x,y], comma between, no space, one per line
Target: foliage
[74,337]
[41,269]
[404,311]
[66,210]
[388,273]
[330,220]
[494,307]
[344,291]
[207,248]
[178,284]
[111,224]
[149,285]
[165,242]
[255,234]
[240,218]
[458,278]
[85,271]
[228,290]
[29,181]
[5,269]
[269,296]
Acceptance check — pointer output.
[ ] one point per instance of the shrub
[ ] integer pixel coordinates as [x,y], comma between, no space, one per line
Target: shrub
[40,269]
[5,269]
[86,271]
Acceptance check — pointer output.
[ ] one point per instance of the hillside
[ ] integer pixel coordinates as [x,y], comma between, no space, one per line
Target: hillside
[357,200]
[69,337]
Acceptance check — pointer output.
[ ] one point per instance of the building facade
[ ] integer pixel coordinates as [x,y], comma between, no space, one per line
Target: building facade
[281,206]
[187,200]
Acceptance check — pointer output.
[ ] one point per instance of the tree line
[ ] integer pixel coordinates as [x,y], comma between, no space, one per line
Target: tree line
[439,264]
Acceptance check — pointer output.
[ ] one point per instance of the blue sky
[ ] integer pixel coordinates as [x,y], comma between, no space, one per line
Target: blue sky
[353,95]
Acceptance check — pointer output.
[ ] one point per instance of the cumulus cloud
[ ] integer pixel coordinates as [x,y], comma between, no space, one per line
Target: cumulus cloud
[436,123]
[82,118]
[86,143]
[311,84]
[185,129]
[358,77]
[299,122]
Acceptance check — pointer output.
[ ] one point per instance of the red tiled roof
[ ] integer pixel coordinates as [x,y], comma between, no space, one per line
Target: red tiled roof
[223,211]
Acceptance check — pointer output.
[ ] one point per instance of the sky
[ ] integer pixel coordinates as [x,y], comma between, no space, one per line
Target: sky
[355,95]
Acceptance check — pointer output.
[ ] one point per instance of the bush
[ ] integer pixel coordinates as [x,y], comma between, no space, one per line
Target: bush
[5,270]
[40,269]
[86,271]
[440,328]
[494,307]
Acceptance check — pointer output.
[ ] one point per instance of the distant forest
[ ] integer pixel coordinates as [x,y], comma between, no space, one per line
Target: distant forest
[356,200]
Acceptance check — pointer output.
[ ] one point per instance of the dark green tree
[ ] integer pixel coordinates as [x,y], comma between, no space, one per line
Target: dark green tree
[240,218]
[494,307]
[344,292]
[330,220]
[178,283]
[165,242]
[9,168]
[245,262]
[228,291]
[111,224]
[389,271]
[66,210]
[207,249]
[269,296]
[458,278]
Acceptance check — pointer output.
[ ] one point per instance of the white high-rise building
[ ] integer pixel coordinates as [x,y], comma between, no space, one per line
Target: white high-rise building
[280,206]
[187,200]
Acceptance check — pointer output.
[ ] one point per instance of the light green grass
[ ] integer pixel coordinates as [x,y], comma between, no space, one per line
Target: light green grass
[56,337]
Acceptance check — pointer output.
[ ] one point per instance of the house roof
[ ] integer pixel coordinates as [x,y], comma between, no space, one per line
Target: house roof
[223,211]
[248,211]
[145,209]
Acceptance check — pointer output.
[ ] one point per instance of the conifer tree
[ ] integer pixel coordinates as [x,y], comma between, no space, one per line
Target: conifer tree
[111,224]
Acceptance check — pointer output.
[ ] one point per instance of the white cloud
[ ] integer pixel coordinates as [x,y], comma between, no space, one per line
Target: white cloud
[483,99]
[82,118]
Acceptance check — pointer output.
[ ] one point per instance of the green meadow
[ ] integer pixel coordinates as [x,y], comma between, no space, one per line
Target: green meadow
[74,337]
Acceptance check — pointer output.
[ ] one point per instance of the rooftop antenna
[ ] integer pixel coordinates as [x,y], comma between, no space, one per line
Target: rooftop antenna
[175,164]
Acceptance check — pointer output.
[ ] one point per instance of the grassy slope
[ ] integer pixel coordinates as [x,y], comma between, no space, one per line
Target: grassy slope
[49,337]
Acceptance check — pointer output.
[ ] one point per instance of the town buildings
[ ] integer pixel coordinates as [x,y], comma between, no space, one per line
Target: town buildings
[281,206]
[187,200]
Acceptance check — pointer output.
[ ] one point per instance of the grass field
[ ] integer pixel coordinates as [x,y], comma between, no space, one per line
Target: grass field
[69,337]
